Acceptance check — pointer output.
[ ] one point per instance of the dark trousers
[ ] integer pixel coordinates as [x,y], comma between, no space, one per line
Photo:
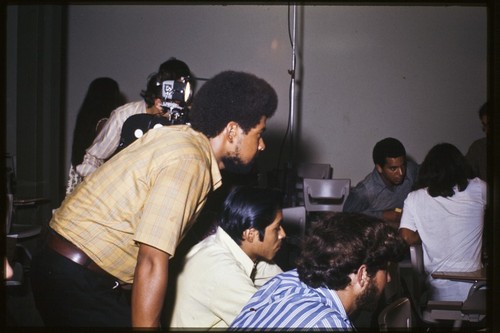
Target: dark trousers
[68,294]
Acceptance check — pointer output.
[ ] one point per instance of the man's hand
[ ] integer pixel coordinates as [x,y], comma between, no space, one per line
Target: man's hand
[392,217]
[150,284]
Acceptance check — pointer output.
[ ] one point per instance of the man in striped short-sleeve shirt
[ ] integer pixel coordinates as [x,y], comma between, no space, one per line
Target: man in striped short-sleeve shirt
[342,269]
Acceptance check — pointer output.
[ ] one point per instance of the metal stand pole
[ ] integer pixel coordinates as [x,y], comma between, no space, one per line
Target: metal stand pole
[290,178]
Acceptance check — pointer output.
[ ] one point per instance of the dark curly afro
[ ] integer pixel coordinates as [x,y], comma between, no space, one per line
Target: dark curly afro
[232,96]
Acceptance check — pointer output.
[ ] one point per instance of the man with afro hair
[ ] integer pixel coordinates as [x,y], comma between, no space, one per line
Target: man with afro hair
[106,259]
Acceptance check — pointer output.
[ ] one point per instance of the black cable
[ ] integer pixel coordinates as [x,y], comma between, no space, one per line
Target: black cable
[292,75]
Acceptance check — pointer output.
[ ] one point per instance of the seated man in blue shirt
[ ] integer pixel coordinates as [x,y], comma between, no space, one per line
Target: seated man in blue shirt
[383,191]
[342,269]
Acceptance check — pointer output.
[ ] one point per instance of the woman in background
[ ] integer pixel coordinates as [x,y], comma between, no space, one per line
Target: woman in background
[103,96]
[445,213]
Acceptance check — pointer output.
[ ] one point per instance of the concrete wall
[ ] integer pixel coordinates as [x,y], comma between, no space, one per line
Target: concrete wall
[417,73]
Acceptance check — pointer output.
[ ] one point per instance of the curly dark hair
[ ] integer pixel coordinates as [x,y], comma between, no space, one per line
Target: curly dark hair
[339,244]
[443,168]
[249,207]
[388,147]
[232,96]
[172,69]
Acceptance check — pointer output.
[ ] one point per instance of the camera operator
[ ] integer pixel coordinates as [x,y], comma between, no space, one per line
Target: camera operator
[106,143]
[172,97]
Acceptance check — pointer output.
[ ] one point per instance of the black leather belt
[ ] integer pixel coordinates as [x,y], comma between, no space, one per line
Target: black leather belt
[67,249]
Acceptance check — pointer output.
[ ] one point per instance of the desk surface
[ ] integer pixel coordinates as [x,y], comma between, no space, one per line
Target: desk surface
[479,275]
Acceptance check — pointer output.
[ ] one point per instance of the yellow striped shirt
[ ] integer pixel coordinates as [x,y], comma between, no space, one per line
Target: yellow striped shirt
[151,192]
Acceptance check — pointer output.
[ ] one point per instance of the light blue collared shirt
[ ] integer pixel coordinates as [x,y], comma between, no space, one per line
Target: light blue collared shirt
[286,302]
[372,196]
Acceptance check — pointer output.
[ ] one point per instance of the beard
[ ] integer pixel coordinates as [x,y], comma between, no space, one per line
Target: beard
[368,300]
[234,164]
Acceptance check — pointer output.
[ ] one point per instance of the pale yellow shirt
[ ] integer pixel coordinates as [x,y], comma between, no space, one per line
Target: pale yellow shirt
[151,192]
[107,140]
[215,283]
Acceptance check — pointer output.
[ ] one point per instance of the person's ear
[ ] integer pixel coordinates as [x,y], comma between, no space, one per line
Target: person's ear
[379,168]
[157,104]
[230,131]
[362,277]
[248,235]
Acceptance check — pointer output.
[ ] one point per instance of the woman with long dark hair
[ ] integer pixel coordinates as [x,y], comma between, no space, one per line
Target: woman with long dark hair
[445,213]
[103,96]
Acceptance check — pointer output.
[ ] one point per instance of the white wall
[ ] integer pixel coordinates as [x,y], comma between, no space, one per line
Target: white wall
[364,72]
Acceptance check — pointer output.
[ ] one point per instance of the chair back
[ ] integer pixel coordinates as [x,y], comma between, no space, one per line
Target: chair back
[417,258]
[475,305]
[294,224]
[418,271]
[396,316]
[436,311]
[314,170]
[310,170]
[17,230]
[325,195]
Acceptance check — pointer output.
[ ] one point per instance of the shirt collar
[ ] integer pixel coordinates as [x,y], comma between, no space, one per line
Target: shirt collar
[216,175]
[333,300]
[240,256]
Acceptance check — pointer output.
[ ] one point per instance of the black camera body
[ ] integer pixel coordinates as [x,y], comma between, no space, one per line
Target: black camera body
[175,97]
